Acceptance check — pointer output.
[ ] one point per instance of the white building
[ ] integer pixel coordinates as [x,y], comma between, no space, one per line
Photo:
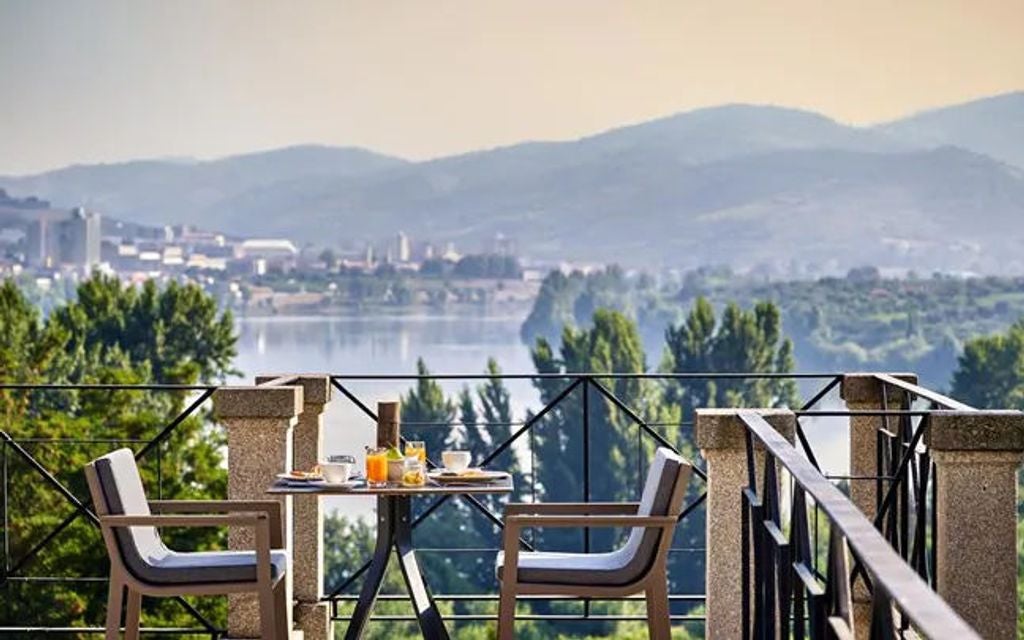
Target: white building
[267,248]
[403,249]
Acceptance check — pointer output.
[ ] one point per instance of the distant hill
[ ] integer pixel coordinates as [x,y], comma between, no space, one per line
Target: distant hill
[992,126]
[943,208]
[738,184]
[175,191]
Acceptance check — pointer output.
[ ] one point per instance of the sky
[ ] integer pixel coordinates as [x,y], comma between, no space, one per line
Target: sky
[105,81]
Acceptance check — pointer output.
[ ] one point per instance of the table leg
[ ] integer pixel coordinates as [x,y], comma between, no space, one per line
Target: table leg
[431,624]
[378,566]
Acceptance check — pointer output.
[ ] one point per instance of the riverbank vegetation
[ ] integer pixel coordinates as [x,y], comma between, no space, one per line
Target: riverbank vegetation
[862,321]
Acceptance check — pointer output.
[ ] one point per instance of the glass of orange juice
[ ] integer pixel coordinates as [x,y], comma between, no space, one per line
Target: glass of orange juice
[377,467]
[416,448]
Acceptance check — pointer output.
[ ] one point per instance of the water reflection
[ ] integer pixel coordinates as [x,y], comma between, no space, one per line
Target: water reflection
[380,344]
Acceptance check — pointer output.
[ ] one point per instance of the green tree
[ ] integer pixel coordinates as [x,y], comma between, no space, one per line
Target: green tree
[428,413]
[990,372]
[741,342]
[467,433]
[617,449]
[553,308]
[990,375]
[102,337]
[484,428]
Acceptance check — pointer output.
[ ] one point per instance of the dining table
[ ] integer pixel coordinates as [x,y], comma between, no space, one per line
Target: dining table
[394,532]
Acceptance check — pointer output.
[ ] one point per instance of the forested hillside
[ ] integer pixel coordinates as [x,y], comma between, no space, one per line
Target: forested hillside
[861,321]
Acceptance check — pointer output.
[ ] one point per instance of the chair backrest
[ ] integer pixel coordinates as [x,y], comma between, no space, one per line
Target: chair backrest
[117,489]
[664,490]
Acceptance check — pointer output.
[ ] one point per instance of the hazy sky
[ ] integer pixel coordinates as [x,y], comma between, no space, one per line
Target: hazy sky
[104,81]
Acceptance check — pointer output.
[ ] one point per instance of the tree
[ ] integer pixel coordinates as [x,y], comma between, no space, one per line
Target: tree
[428,413]
[483,429]
[742,342]
[112,335]
[177,330]
[616,446]
[553,308]
[329,258]
[990,372]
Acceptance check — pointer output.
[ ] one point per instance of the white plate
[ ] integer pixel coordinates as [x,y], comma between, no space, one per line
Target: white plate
[290,478]
[480,475]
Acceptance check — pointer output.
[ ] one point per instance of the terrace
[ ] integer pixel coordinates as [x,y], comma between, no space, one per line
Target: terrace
[910,531]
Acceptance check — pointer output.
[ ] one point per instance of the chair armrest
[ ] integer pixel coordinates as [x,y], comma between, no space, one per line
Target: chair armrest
[271,507]
[572,508]
[650,522]
[190,520]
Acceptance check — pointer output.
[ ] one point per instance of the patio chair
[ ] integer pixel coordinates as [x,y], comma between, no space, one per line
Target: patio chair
[143,565]
[638,566]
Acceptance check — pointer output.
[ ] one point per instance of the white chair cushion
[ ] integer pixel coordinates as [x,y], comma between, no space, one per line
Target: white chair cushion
[144,553]
[622,566]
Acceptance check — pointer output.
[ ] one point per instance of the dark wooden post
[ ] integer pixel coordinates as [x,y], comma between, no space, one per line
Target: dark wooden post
[388,424]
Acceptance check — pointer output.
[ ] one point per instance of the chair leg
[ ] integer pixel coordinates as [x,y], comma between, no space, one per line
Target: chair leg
[132,617]
[268,613]
[281,610]
[115,597]
[507,612]
[658,625]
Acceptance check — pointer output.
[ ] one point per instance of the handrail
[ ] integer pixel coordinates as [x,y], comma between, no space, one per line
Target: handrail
[652,375]
[929,613]
[940,400]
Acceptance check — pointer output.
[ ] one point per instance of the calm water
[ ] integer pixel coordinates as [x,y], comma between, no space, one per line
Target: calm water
[380,344]
[390,344]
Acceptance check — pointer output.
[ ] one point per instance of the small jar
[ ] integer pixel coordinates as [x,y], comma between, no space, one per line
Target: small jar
[414,472]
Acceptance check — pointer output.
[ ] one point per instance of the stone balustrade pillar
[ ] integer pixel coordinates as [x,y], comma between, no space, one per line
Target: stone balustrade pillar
[722,440]
[976,455]
[311,615]
[863,392]
[259,422]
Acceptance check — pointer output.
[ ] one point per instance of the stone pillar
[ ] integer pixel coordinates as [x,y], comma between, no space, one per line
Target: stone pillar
[863,392]
[722,440]
[259,422]
[311,615]
[976,457]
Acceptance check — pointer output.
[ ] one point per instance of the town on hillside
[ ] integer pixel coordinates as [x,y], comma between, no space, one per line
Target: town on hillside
[51,249]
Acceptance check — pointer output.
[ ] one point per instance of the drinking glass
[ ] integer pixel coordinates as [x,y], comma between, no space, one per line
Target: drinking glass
[413,472]
[377,467]
[416,448]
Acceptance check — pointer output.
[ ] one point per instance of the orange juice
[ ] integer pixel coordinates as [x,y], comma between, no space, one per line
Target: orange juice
[417,449]
[377,467]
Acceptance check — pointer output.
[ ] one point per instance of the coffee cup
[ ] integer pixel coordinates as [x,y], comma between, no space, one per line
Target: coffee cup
[336,472]
[455,461]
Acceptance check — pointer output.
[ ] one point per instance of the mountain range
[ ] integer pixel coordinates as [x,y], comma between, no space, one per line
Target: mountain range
[743,185]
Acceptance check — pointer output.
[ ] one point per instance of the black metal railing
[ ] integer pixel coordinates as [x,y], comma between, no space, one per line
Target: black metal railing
[904,473]
[904,483]
[585,389]
[23,465]
[785,594]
